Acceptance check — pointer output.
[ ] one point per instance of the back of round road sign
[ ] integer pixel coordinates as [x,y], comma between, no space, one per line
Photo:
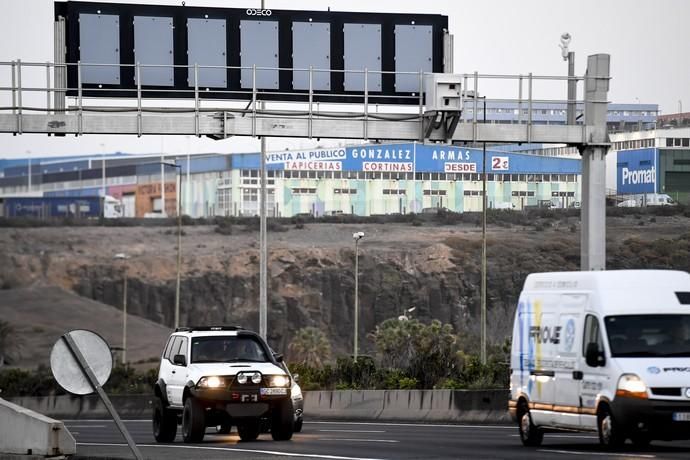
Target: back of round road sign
[66,368]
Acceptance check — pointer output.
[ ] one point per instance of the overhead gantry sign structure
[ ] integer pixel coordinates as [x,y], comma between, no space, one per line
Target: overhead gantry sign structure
[176,70]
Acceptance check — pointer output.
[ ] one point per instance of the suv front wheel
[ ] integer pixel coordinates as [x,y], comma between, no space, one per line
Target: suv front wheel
[193,421]
[164,422]
[282,423]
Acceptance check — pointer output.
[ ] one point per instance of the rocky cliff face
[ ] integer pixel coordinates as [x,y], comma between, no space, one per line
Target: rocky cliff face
[315,287]
[435,269]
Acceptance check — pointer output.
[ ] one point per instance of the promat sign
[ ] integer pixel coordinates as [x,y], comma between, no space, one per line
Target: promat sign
[636,171]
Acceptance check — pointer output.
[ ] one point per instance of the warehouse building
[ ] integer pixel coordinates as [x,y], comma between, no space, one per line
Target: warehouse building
[362,180]
[653,161]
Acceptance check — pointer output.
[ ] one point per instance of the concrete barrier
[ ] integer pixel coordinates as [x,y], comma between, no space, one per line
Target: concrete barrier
[91,406]
[451,406]
[25,432]
[459,406]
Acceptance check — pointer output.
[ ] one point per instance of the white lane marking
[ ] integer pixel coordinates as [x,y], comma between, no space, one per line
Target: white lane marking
[358,440]
[229,449]
[566,436]
[422,425]
[605,454]
[91,420]
[85,426]
[354,431]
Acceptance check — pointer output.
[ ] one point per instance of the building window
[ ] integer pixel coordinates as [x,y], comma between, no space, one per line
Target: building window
[303,191]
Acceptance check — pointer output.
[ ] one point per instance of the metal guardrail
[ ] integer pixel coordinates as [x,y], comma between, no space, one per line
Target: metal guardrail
[202,97]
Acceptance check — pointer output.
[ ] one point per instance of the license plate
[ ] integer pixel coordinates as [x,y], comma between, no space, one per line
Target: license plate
[681,416]
[273,391]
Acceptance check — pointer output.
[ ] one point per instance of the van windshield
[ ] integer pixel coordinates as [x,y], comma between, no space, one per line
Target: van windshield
[649,335]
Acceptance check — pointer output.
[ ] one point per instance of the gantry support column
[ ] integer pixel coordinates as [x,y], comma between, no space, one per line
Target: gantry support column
[593,236]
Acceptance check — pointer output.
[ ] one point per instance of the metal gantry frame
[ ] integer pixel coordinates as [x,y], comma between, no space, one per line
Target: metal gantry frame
[228,117]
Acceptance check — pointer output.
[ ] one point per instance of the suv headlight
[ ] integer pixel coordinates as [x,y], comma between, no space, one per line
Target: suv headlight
[279,381]
[211,382]
[631,386]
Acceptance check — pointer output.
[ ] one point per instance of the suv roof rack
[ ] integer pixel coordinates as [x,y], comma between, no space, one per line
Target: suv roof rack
[208,328]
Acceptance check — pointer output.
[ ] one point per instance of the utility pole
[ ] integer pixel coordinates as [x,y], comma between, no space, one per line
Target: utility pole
[179,247]
[263,240]
[483,287]
[356,236]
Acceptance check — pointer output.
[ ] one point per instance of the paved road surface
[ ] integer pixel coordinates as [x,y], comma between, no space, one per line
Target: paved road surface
[346,441]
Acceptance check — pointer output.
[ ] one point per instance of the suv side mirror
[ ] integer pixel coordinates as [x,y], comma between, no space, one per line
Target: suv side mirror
[593,356]
[295,377]
[180,360]
[278,357]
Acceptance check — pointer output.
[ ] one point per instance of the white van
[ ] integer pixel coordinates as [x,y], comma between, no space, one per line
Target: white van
[606,352]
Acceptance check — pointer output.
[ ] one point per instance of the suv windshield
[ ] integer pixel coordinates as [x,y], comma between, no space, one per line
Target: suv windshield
[226,349]
[649,335]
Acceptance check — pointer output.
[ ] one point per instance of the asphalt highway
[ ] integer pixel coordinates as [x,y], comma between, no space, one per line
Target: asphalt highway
[354,440]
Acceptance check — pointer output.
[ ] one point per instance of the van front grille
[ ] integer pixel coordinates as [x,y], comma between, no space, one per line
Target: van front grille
[666,391]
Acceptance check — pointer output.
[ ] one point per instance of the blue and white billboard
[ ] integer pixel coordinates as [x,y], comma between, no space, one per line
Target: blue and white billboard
[414,157]
[636,171]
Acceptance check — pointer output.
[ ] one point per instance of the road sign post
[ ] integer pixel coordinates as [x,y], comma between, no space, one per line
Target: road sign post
[79,375]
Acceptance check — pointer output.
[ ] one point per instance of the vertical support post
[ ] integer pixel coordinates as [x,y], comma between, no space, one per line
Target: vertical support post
[474,108]
[448,49]
[79,98]
[139,120]
[179,248]
[529,107]
[520,99]
[366,101]
[311,100]
[14,87]
[196,99]
[263,241]
[421,105]
[19,96]
[47,88]
[355,351]
[103,172]
[593,236]
[572,88]
[124,317]
[164,212]
[253,100]
[188,184]
[483,284]
[60,69]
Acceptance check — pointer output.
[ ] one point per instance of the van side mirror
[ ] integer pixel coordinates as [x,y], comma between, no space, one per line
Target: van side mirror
[278,357]
[180,360]
[594,357]
[295,377]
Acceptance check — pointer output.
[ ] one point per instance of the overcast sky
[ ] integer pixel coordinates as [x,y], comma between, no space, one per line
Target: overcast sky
[649,43]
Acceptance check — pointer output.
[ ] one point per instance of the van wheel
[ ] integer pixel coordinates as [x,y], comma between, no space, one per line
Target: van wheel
[193,421]
[530,434]
[610,433]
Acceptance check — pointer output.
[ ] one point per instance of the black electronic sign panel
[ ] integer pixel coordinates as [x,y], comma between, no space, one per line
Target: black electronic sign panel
[174,51]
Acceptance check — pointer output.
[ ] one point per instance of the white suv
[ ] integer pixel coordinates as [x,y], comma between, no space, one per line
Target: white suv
[219,377]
